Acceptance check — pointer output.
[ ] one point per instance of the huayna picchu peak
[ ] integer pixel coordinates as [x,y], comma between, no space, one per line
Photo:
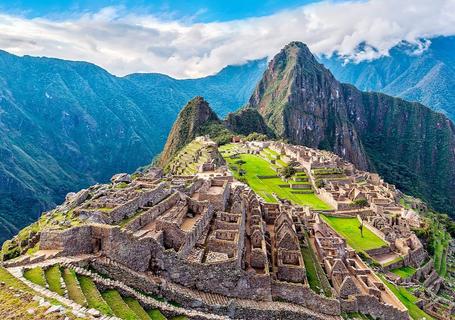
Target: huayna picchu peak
[302,204]
[407,143]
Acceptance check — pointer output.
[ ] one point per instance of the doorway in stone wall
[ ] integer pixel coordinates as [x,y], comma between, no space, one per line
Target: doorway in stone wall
[96,245]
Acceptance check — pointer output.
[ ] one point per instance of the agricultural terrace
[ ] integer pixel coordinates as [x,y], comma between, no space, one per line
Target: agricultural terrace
[260,175]
[404,272]
[349,229]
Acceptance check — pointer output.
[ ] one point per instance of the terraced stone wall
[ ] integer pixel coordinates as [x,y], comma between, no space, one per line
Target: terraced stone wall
[304,296]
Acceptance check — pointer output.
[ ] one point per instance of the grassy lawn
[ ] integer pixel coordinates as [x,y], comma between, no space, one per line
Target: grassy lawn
[93,296]
[348,228]
[118,306]
[72,285]
[312,274]
[156,314]
[408,299]
[53,277]
[404,272]
[36,275]
[255,166]
[134,305]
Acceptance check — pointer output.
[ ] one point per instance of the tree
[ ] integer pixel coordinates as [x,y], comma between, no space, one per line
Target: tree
[361,228]
[287,171]
[360,203]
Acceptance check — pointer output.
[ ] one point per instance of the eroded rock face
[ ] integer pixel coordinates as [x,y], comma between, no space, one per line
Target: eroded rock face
[302,102]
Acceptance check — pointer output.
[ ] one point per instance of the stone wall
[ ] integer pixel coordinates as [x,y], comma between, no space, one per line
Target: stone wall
[73,241]
[193,235]
[222,278]
[234,308]
[370,305]
[148,216]
[128,209]
[304,296]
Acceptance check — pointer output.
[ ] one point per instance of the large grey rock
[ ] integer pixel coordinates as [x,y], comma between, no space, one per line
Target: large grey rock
[121,177]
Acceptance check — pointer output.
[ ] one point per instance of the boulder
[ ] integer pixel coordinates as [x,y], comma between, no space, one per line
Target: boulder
[121,177]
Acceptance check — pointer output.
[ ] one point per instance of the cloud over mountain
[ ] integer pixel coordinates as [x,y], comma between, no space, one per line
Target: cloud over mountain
[124,42]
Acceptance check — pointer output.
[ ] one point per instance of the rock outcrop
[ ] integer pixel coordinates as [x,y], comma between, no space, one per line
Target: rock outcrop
[407,143]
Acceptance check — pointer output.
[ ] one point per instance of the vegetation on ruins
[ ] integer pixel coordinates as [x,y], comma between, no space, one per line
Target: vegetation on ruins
[16,301]
[36,275]
[136,307]
[316,276]
[72,285]
[287,171]
[404,272]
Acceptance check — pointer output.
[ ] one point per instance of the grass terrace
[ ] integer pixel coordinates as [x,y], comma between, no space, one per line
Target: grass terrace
[348,228]
[36,275]
[53,277]
[404,272]
[118,306]
[263,179]
[72,285]
[93,296]
[156,315]
[316,276]
[135,306]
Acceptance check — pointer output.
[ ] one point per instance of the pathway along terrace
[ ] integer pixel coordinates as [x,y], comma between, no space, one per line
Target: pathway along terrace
[188,238]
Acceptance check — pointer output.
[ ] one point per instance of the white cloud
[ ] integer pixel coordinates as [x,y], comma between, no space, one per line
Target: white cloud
[123,42]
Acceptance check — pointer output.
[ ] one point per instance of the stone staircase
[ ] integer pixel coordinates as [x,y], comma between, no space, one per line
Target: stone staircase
[78,310]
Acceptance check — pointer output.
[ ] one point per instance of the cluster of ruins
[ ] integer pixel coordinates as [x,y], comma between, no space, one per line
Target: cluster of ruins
[207,232]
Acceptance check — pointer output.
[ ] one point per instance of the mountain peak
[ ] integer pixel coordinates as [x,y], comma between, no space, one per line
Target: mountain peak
[302,102]
[190,121]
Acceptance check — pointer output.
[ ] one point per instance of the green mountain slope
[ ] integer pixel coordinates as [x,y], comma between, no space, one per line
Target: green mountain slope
[427,77]
[410,145]
[66,125]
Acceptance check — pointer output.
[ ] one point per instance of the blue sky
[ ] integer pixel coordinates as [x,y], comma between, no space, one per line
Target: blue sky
[200,10]
[188,39]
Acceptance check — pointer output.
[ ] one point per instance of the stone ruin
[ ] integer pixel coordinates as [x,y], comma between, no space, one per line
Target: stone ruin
[207,234]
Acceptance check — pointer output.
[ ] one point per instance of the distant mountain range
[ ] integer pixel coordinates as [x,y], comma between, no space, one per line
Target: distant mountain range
[427,77]
[65,125]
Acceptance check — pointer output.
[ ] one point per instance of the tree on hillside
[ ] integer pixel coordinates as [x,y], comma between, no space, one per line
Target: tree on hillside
[287,171]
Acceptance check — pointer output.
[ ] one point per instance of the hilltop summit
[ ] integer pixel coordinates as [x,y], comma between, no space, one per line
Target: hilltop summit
[188,125]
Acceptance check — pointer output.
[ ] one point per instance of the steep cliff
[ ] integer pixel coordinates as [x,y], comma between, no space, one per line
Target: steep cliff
[407,143]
